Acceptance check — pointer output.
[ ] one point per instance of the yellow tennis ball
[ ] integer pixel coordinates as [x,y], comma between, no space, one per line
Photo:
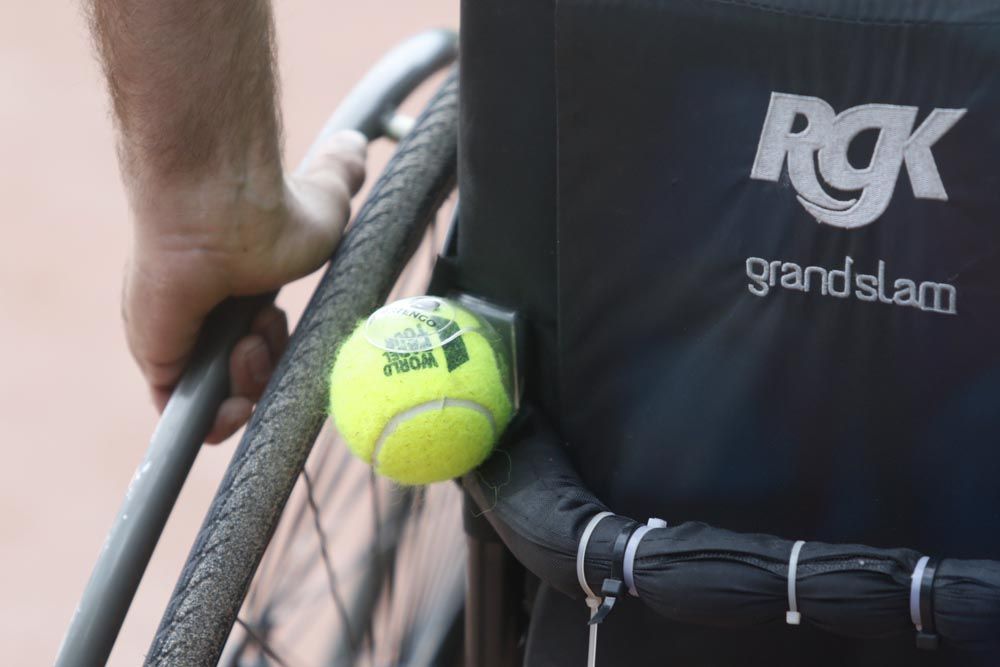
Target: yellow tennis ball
[420,391]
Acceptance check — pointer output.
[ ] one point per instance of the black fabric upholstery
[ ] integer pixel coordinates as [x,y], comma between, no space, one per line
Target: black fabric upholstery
[506,251]
[797,414]
[605,174]
[716,584]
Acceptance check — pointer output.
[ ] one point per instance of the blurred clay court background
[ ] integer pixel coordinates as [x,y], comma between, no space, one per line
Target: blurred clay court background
[74,413]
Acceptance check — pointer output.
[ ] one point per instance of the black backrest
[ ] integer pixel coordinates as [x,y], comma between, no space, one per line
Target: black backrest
[758,242]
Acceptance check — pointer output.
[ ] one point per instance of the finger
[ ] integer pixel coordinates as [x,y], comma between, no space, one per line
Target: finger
[271,324]
[160,396]
[351,148]
[329,176]
[233,413]
[340,156]
[162,318]
[250,368]
[319,202]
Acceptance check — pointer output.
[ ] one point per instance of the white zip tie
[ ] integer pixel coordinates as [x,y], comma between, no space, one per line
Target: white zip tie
[581,552]
[916,579]
[633,547]
[792,616]
[593,601]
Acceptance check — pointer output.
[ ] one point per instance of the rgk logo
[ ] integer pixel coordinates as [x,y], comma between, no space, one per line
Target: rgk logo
[828,135]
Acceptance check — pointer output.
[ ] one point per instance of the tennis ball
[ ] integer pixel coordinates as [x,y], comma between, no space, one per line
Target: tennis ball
[420,391]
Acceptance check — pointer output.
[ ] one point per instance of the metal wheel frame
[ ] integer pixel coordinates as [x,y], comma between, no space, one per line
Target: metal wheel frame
[367,261]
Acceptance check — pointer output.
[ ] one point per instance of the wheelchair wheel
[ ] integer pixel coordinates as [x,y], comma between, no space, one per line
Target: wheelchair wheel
[337,497]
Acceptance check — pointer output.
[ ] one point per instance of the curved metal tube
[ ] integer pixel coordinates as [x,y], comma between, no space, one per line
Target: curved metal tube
[189,414]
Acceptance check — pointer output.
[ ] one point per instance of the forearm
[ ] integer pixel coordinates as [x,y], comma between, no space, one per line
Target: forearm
[193,90]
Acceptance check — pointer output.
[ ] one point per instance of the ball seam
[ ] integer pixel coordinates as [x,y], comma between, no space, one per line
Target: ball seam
[430,406]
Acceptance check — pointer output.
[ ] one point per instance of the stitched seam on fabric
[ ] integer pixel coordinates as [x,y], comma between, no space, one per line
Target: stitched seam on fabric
[771,9]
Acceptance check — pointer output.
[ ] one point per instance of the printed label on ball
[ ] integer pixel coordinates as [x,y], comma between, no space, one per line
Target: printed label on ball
[455,354]
[397,363]
[416,324]
[408,331]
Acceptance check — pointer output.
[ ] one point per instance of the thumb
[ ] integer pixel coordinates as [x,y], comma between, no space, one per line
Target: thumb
[342,153]
[318,197]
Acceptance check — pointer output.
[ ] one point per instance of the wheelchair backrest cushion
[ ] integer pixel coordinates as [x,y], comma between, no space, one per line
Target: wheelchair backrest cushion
[771,257]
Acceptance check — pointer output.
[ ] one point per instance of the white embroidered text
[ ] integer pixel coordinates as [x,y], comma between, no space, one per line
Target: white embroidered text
[822,145]
[845,282]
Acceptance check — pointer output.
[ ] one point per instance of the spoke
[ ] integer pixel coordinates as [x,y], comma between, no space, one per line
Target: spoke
[262,643]
[290,528]
[331,577]
[296,571]
[377,556]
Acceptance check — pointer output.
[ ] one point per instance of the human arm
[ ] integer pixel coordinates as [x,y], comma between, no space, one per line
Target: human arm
[214,215]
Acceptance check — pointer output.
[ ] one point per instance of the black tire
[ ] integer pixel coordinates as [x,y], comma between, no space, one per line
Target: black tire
[267,463]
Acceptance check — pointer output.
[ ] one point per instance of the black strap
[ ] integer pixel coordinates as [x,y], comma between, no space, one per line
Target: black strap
[613,586]
[927,638]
